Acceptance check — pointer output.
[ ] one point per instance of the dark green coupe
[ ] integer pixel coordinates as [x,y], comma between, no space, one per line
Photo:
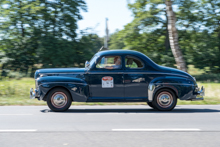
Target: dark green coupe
[116,76]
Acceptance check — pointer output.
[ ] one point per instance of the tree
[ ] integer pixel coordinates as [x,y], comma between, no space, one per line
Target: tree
[199,33]
[16,33]
[147,33]
[56,29]
[40,32]
[116,41]
[91,43]
[173,37]
[211,21]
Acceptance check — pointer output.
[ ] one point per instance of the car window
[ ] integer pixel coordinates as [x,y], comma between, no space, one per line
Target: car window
[109,62]
[133,62]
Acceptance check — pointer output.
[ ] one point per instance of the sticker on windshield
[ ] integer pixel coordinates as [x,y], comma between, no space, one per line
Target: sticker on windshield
[107,82]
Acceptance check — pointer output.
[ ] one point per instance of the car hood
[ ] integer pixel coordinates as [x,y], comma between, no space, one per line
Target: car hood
[74,72]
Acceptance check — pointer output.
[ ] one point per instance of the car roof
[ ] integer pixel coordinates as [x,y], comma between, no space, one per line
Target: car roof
[127,52]
[119,52]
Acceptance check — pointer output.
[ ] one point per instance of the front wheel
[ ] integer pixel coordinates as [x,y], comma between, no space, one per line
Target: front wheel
[59,100]
[164,100]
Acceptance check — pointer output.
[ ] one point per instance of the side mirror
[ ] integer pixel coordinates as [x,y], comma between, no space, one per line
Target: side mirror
[87,64]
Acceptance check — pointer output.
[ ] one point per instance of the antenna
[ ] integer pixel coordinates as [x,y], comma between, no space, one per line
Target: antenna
[101,48]
[106,39]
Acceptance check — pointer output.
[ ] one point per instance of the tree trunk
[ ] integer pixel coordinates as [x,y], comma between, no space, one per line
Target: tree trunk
[167,43]
[173,37]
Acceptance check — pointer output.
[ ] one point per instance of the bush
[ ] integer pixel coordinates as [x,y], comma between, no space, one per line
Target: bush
[16,75]
[13,75]
[208,78]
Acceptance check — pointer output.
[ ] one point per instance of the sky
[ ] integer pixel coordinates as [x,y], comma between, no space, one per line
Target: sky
[116,11]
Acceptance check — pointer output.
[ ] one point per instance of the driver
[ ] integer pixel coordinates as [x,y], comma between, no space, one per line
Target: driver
[117,62]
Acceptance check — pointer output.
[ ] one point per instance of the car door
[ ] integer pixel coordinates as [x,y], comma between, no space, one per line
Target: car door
[135,79]
[106,80]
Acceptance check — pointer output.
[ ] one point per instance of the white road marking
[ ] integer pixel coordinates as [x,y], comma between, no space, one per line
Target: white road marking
[158,130]
[14,114]
[32,130]
[101,113]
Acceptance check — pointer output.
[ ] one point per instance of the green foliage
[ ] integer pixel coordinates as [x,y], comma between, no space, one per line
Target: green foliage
[198,30]
[91,43]
[116,41]
[16,75]
[208,78]
[42,33]
[147,33]
[200,49]
[200,33]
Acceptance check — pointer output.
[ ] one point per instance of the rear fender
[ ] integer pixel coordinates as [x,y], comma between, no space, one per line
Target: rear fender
[182,87]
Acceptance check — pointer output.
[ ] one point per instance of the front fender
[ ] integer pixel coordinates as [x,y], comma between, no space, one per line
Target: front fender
[183,87]
[78,88]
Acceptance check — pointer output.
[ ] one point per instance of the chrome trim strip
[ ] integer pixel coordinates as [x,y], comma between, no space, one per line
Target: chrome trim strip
[64,82]
[107,72]
[64,73]
[174,84]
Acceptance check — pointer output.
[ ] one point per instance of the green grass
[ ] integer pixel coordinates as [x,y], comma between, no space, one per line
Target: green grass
[16,92]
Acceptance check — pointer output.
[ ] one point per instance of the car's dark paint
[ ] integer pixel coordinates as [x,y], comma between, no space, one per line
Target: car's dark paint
[184,88]
[135,85]
[84,84]
[95,85]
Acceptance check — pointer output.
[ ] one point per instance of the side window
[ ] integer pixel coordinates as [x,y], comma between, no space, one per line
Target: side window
[109,62]
[133,62]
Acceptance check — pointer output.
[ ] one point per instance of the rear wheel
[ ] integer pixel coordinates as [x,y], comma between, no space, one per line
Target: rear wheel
[59,100]
[164,100]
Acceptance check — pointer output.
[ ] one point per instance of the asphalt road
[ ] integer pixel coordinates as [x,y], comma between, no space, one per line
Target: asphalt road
[110,126]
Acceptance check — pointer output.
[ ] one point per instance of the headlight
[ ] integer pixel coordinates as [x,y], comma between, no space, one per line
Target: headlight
[43,75]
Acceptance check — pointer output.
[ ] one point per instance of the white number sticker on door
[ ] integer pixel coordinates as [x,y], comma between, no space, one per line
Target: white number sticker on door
[107,82]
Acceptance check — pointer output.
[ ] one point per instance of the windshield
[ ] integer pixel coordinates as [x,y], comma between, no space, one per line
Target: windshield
[93,60]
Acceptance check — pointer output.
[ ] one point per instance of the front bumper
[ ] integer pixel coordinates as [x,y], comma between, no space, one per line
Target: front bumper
[199,95]
[33,93]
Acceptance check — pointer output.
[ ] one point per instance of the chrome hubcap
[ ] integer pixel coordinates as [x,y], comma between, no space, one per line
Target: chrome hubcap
[164,99]
[59,99]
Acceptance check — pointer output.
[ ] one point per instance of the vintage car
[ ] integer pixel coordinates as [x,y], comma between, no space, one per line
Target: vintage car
[116,76]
